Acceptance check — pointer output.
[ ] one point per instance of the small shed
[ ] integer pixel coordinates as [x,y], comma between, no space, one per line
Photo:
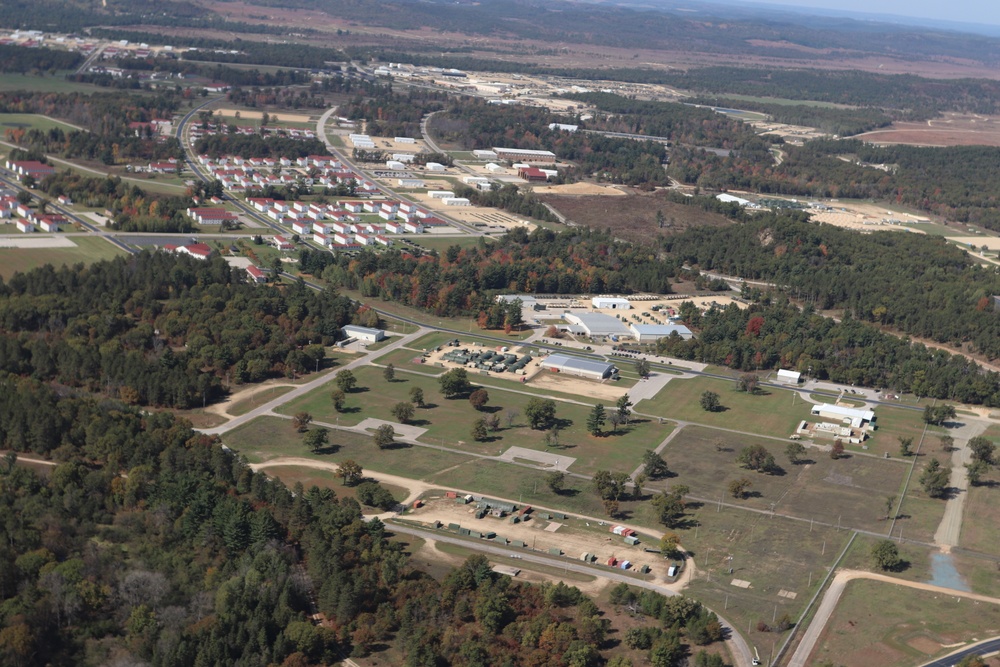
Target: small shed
[631,539]
[789,377]
[555,551]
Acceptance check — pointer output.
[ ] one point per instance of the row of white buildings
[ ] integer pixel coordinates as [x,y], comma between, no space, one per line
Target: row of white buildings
[237,173]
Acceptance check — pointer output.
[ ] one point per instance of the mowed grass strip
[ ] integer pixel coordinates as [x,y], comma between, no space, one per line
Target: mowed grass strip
[772,413]
[449,421]
[88,250]
[981,517]
[906,627]
[268,438]
[850,491]
[30,121]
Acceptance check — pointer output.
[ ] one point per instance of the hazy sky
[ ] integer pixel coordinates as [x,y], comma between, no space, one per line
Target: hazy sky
[970,11]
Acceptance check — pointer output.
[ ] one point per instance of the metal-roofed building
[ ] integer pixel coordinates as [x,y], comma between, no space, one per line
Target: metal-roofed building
[588,368]
[364,333]
[598,324]
[648,333]
[858,417]
[612,302]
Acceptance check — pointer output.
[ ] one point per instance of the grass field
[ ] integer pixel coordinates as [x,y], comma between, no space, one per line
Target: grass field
[30,121]
[849,492]
[259,398]
[267,438]
[899,631]
[46,84]
[767,414]
[88,250]
[772,554]
[981,517]
[326,479]
[449,421]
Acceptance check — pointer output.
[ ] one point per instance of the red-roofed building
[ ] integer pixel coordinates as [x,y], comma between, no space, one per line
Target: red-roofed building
[211,216]
[532,174]
[281,243]
[256,275]
[196,250]
[36,170]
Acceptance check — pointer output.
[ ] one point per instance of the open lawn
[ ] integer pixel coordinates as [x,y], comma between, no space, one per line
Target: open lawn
[267,438]
[258,398]
[46,84]
[28,121]
[849,491]
[895,423]
[325,479]
[899,631]
[771,413]
[981,518]
[88,250]
[449,421]
[772,554]
[406,357]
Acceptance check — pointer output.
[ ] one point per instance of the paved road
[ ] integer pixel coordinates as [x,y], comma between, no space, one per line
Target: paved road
[988,647]
[308,386]
[738,647]
[836,590]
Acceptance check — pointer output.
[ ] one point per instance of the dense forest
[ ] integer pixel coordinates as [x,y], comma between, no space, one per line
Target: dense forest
[465,280]
[772,335]
[257,145]
[918,284]
[161,329]
[910,97]
[392,114]
[23,60]
[840,121]
[150,544]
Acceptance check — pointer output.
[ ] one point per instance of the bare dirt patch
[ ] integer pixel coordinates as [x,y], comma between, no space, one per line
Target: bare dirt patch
[579,386]
[257,115]
[632,215]
[951,130]
[580,188]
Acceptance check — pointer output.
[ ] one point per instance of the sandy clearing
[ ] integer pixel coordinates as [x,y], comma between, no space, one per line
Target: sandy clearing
[587,389]
[36,242]
[414,487]
[257,115]
[991,242]
[580,188]
[222,407]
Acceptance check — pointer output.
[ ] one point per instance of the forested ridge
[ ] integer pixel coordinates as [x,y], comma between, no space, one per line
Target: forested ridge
[776,334]
[918,284]
[151,544]
[466,280]
[161,329]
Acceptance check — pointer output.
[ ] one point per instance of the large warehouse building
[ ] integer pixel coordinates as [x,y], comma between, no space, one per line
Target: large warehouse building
[596,324]
[587,368]
[858,417]
[650,333]
[524,155]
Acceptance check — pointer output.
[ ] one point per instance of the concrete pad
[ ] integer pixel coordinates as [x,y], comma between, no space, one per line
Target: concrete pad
[404,430]
[556,461]
[36,242]
[553,527]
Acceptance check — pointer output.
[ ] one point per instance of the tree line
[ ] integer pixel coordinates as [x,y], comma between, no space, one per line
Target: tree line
[161,329]
[917,284]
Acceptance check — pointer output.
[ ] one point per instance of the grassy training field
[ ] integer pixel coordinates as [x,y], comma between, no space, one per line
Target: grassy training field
[88,250]
[267,438]
[906,627]
[772,554]
[771,413]
[981,517]
[325,479]
[850,491]
[449,421]
[30,121]
[46,84]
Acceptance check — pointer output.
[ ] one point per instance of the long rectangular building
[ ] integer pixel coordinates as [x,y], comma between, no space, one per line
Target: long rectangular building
[588,368]
[524,155]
